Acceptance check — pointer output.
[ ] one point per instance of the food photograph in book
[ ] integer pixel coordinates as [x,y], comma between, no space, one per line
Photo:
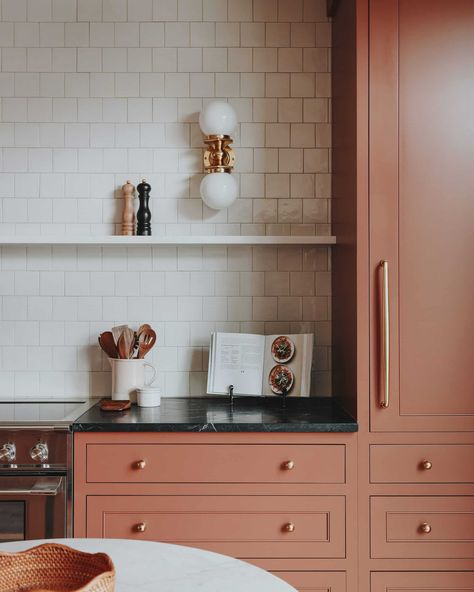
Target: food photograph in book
[259,365]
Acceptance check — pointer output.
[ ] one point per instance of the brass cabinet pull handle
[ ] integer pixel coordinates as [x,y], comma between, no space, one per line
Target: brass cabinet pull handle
[426,465]
[140,464]
[289,527]
[384,403]
[425,527]
[140,527]
[289,465]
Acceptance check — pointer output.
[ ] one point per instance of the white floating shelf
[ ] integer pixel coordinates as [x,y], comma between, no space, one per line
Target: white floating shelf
[131,241]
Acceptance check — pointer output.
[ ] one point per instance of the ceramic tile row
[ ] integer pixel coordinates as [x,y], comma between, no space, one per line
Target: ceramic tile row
[162,10]
[48,93]
[171,160]
[148,308]
[26,35]
[45,89]
[169,185]
[69,259]
[182,60]
[172,135]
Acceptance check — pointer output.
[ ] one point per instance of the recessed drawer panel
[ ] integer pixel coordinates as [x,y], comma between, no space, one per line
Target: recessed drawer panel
[437,581]
[422,463]
[422,527]
[211,463]
[241,526]
[314,581]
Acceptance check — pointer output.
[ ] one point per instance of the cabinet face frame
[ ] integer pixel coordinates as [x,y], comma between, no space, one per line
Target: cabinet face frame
[415,404]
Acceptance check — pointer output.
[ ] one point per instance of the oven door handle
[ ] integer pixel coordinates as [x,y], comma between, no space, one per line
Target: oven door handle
[45,486]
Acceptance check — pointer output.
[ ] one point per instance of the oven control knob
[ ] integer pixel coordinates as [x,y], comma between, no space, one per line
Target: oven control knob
[39,452]
[8,453]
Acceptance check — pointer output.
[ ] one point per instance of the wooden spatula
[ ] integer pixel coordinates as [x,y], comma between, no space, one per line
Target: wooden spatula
[117,331]
[126,343]
[107,343]
[146,340]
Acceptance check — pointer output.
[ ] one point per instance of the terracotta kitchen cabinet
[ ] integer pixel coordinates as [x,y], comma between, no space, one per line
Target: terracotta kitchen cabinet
[422,463]
[422,527]
[403,283]
[421,203]
[240,526]
[201,463]
[280,501]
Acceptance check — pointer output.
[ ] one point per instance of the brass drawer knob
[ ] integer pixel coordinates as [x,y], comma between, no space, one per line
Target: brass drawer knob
[425,527]
[289,465]
[140,464]
[426,465]
[140,527]
[289,527]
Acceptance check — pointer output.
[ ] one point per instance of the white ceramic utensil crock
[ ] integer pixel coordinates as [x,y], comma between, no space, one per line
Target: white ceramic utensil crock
[127,376]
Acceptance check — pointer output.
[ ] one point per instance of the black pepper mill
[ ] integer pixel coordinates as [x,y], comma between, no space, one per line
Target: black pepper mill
[144,214]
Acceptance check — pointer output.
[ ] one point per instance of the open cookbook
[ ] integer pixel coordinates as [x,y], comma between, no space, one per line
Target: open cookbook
[260,364]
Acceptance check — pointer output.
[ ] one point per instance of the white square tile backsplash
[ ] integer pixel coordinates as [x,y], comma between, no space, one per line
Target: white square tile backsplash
[95,92]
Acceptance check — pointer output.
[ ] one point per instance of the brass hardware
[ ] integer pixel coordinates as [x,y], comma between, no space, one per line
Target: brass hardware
[426,465]
[425,527]
[386,337]
[290,527]
[140,464]
[140,527]
[218,157]
[289,465]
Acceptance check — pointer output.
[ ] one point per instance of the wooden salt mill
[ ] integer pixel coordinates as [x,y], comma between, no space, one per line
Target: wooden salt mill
[144,214]
[128,215]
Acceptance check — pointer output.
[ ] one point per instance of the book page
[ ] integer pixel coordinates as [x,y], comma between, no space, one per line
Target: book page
[237,359]
[295,354]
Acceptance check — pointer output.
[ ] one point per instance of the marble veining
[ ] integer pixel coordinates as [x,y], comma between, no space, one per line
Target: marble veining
[216,414]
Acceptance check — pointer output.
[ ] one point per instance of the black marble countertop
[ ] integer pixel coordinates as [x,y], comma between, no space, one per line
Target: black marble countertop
[215,414]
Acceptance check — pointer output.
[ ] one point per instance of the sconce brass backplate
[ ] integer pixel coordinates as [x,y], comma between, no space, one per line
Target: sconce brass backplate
[219,156]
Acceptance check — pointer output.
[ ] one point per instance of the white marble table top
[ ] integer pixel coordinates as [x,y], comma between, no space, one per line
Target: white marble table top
[160,567]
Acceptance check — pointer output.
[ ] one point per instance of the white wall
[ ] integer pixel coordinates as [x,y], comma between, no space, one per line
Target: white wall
[96,92]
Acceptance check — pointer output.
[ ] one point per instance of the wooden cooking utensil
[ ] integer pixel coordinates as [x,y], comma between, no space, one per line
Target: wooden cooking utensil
[107,343]
[117,331]
[146,340]
[142,328]
[126,343]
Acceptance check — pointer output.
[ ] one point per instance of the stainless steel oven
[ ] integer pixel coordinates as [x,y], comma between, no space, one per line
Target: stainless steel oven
[35,468]
[32,507]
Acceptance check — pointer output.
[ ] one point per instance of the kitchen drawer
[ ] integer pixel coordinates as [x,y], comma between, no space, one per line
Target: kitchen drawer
[397,527]
[241,526]
[215,463]
[426,581]
[422,463]
[314,581]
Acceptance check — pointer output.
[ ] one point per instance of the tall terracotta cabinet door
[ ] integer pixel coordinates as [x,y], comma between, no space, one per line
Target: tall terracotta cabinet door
[422,214]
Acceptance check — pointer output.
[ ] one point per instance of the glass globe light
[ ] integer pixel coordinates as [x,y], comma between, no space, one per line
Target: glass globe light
[218,190]
[218,118]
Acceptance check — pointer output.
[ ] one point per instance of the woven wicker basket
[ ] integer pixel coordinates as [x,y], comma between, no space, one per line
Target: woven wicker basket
[52,567]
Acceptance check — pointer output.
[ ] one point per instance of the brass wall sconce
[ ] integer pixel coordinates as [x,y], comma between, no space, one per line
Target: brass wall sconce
[217,122]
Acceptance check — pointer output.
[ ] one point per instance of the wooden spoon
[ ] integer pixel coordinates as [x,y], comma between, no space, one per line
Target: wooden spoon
[107,343]
[126,343]
[117,331]
[146,340]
